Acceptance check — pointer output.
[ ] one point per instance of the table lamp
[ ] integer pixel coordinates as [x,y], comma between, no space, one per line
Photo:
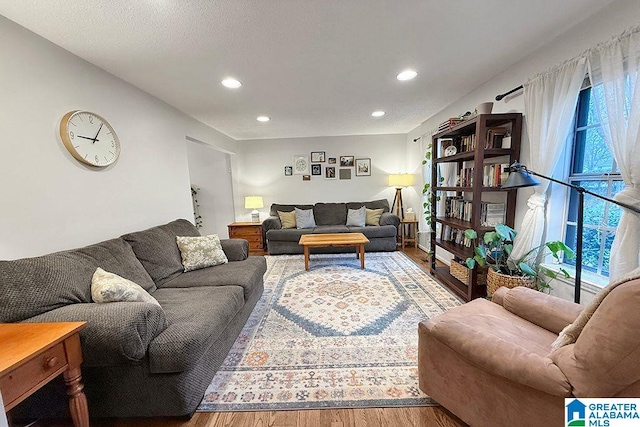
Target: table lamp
[255,203]
[399,180]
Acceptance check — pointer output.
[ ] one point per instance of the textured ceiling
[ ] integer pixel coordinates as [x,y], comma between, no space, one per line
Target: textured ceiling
[316,67]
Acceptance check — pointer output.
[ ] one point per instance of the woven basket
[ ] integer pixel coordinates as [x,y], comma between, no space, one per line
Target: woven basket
[461,272]
[496,280]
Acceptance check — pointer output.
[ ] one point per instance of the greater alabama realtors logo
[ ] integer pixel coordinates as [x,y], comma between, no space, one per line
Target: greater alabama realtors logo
[602,412]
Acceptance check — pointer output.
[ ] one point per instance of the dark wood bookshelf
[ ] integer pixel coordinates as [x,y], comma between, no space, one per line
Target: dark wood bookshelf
[478,126]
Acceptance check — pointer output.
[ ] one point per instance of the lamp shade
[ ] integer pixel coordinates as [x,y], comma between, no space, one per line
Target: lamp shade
[519,177]
[400,180]
[253,202]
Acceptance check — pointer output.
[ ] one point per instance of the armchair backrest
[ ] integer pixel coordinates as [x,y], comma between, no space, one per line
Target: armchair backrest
[603,362]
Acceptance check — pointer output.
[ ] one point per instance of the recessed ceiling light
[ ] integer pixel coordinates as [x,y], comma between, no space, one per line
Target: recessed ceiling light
[406,75]
[263,118]
[231,83]
[378,113]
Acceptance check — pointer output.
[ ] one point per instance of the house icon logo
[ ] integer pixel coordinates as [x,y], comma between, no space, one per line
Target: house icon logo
[576,414]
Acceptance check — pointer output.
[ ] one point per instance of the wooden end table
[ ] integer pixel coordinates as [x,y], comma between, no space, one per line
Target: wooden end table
[250,231]
[410,235]
[339,239]
[32,354]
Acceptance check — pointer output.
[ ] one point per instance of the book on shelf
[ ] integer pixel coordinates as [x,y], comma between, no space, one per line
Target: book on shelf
[492,214]
[495,174]
[466,177]
[495,136]
[455,235]
[448,124]
[458,208]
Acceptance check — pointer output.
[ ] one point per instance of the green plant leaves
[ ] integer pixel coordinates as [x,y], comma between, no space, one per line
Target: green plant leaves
[505,232]
[527,270]
[470,234]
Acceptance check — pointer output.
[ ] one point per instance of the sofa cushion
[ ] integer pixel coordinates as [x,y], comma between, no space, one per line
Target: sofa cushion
[375,232]
[275,207]
[32,286]
[330,213]
[196,318]
[108,287]
[356,217]
[304,218]
[200,252]
[287,219]
[373,216]
[287,235]
[330,229]
[375,204]
[247,274]
[157,250]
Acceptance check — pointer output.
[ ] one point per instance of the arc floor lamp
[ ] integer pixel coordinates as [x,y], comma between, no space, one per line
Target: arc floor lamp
[520,176]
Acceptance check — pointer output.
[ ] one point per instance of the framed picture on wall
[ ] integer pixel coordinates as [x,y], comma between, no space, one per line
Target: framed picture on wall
[332,160]
[345,173]
[306,177]
[288,170]
[346,161]
[316,169]
[317,157]
[300,165]
[363,167]
[330,172]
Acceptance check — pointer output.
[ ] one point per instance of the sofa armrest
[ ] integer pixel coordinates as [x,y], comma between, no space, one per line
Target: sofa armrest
[235,249]
[500,357]
[387,218]
[548,312]
[271,223]
[116,333]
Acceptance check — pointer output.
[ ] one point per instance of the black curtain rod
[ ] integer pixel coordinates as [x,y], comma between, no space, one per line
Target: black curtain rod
[499,97]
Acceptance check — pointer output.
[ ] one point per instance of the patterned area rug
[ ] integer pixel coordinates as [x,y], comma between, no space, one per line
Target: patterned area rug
[335,336]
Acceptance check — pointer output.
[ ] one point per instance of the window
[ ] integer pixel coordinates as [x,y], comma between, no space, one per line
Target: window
[593,168]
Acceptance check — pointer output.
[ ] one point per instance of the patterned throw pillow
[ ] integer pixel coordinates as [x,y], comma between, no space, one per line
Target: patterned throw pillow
[304,218]
[373,216]
[109,287]
[287,219]
[356,217]
[200,252]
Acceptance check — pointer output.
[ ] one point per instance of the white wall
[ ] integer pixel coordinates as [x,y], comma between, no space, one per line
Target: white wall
[262,165]
[48,201]
[609,22]
[209,170]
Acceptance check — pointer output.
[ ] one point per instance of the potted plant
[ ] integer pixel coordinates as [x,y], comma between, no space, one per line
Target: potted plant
[495,251]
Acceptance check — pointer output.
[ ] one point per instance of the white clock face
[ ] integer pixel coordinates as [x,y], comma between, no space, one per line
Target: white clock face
[89,138]
[450,150]
[300,164]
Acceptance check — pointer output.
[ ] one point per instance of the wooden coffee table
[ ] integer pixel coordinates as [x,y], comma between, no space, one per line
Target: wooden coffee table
[339,239]
[32,354]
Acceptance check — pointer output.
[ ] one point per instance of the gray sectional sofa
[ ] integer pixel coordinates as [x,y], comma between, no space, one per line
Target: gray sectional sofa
[330,218]
[140,359]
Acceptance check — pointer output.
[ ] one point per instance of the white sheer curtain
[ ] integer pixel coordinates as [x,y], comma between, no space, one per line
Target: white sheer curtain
[550,102]
[613,69]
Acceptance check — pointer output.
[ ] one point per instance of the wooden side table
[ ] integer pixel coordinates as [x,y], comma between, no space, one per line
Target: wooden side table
[251,231]
[409,232]
[32,354]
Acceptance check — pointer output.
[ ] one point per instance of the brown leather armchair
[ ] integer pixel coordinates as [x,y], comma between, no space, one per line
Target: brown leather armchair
[491,363]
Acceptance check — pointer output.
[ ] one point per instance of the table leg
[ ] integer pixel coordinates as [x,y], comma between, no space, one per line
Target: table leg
[402,235]
[357,251]
[77,400]
[306,257]
[362,256]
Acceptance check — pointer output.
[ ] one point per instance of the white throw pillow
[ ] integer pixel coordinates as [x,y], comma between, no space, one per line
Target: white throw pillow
[109,287]
[200,252]
[356,217]
[304,218]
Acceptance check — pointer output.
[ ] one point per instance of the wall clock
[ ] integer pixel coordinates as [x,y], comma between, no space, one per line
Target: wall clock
[450,150]
[300,165]
[89,138]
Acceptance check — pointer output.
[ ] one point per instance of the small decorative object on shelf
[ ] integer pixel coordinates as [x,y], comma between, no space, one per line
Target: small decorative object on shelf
[474,197]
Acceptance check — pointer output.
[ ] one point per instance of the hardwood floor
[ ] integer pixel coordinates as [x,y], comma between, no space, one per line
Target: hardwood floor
[361,417]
